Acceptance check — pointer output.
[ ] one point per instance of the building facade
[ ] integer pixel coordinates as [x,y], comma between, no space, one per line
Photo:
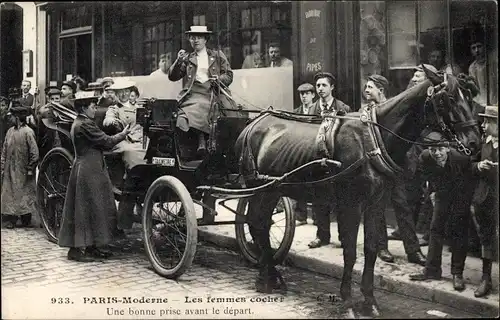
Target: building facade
[351,39]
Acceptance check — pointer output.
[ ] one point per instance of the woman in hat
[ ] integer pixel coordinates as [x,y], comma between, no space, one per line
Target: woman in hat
[196,69]
[86,223]
[19,159]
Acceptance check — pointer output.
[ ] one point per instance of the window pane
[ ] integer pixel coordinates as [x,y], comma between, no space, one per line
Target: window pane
[266,16]
[403,51]
[372,39]
[161,31]
[170,30]
[256,17]
[76,17]
[245,19]
[434,33]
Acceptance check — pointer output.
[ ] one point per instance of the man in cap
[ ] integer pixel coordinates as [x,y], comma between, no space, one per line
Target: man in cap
[47,138]
[307,94]
[376,89]
[324,106]
[449,174]
[19,159]
[198,71]
[53,94]
[162,70]
[485,200]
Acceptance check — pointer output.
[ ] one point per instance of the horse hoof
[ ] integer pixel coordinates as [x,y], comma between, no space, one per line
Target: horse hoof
[349,314]
[371,310]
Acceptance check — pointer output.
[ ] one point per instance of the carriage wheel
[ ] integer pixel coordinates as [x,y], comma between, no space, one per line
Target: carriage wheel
[53,178]
[169,227]
[281,233]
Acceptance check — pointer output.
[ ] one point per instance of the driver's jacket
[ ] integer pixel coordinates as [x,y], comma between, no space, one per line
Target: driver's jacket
[126,114]
[218,65]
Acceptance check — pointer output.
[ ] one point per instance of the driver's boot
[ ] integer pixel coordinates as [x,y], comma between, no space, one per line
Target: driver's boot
[202,144]
[125,214]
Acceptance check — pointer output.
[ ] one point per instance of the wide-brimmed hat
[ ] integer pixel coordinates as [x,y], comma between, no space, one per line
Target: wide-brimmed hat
[70,84]
[198,30]
[305,87]
[122,84]
[84,98]
[320,75]
[490,112]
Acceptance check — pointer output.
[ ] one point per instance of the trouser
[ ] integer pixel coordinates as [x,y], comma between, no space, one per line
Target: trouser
[300,210]
[485,218]
[323,211]
[457,211]
[405,195]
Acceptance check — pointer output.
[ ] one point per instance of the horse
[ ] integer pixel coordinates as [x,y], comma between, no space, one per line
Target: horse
[371,147]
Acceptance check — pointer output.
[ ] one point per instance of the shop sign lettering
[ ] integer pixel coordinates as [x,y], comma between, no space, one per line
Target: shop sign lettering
[313,13]
[313,67]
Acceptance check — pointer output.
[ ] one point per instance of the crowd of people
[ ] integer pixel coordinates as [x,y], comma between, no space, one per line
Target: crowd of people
[106,120]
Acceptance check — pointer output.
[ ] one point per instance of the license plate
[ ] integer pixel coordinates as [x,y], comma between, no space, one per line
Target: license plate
[167,162]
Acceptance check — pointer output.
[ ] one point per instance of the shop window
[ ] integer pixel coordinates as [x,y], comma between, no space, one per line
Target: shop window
[260,26]
[372,39]
[160,38]
[77,17]
[403,46]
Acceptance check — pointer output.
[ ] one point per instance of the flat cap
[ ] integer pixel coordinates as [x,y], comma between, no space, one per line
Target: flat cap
[427,66]
[305,87]
[18,109]
[53,91]
[320,75]
[434,136]
[380,81]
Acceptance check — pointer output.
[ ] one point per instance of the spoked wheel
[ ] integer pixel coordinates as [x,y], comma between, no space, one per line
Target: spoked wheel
[281,233]
[53,178]
[169,227]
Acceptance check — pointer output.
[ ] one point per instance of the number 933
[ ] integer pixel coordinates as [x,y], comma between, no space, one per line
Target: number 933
[60,301]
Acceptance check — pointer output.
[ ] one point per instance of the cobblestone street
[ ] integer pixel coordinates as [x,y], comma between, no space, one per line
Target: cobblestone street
[33,268]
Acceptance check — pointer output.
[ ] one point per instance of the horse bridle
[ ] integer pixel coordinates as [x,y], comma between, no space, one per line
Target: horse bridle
[431,93]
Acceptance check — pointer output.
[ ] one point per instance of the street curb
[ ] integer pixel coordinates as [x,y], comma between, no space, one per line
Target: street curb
[396,284]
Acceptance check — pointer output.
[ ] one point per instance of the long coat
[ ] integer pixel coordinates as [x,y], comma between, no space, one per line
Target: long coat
[89,197]
[19,156]
[195,98]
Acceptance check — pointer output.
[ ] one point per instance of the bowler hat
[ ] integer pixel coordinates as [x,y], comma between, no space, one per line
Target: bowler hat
[320,75]
[198,30]
[305,87]
[379,80]
[490,112]
[70,84]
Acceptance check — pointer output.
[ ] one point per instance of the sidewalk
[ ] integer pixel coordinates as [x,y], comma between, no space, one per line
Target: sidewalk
[388,276]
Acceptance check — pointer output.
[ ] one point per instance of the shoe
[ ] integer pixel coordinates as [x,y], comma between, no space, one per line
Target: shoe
[119,234]
[484,288]
[300,223]
[424,276]
[316,243]
[417,258]
[26,221]
[395,235]
[458,282]
[423,242]
[80,255]
[99,253]
[385,255]
[9,225]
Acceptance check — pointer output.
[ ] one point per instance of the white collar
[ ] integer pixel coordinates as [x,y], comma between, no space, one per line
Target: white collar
[328,103]
[493,140]
[202,53]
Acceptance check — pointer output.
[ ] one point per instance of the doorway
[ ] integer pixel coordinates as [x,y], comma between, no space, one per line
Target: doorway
[11,47]
[76,57]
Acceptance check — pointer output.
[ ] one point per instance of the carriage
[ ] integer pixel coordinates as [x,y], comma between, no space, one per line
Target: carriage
[166,187]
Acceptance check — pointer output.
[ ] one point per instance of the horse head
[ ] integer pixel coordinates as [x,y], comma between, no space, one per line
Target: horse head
[451,104]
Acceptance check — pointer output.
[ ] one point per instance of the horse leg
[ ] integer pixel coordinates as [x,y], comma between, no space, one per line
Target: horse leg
[373,216]
[260,209]
[349,216]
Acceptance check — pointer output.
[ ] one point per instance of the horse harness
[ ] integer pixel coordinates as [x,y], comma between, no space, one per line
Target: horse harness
[379,155]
